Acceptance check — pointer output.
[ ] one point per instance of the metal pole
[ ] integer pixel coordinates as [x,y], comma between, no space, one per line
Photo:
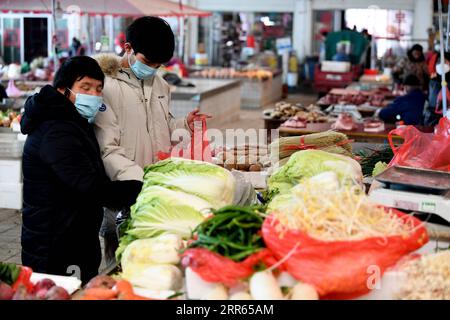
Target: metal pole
[441,40]
[54,38]
[448,32]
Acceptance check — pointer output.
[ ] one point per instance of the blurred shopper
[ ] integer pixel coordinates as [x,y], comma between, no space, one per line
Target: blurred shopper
[435,88]
[74,47]
[64,181]
[3,94]
[137,123]
[408,108]
[414,63]
[341,54]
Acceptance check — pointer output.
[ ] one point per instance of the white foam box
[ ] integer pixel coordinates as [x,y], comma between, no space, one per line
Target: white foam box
[10,171]
[11,195]
[335,66]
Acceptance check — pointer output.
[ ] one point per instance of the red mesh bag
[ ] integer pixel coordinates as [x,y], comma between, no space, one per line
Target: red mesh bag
[213,267]
[340,269]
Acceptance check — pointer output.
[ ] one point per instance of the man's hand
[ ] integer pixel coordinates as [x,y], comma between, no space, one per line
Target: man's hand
[192,115]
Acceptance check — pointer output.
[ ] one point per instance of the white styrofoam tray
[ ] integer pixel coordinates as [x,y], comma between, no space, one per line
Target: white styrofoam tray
[71,284]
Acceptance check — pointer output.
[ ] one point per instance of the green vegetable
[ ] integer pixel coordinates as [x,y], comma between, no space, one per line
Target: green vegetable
[308,163]
[371,157]
[212,183]
[232,231]
[9,273]
[160,211]
[176,194]
[163,249]
[379,168]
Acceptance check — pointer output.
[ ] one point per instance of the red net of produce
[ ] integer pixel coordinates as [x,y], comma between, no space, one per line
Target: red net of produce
[341,269]
[212,267]
[423,150]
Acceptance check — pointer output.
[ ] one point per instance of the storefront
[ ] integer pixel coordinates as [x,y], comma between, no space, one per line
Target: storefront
[312,17]
[28,36]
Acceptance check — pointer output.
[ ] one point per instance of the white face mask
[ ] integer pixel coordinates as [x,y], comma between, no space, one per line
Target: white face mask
[439,69]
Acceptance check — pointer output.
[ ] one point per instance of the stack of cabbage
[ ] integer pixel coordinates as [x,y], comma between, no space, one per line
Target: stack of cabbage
[176,196]
[309,163]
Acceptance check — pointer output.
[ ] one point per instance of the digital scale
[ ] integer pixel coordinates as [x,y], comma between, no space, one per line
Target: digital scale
[419,190]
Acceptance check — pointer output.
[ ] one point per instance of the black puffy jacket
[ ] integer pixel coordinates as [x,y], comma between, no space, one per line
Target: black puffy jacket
[64,188]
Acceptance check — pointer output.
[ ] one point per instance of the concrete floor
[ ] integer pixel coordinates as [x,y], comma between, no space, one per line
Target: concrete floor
[10,220]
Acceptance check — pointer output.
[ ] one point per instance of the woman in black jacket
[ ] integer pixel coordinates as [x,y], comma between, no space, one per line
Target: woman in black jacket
[65,184]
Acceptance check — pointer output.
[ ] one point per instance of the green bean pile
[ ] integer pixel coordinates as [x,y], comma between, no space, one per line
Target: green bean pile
[232,231]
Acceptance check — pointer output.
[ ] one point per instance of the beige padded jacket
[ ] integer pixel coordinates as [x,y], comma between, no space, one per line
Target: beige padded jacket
[136,123]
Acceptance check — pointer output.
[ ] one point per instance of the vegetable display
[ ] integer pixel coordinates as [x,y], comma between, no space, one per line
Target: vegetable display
[232,232]
[370,158]
[244,158]
[151,263]
[329,141]
[176,196]
[428,278]
[335,215]
[230,73]
[15,284]
[204,180]
[8,117]
[329,237]
[107,288]
[308,163]
[284,110]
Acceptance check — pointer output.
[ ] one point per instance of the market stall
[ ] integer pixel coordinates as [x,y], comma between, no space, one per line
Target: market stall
[10,170]
[218,98]
[359,134]
[180,248]
[260,87]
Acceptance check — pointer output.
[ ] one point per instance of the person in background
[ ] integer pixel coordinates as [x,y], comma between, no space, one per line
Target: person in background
[322,49]
[408,108]
[65,186]
[431,118]
[74,47]
[368,36]
[136,124]
[389,59]
[3,94]
[341,55]
[414,64]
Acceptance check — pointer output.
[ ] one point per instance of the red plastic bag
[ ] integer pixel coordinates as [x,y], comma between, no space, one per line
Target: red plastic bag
[213,267]
[340,269]
[423,150]
[198,148]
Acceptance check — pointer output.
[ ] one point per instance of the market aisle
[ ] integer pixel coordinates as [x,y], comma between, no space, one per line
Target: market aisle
[10,224]
[10,230]
[252,118]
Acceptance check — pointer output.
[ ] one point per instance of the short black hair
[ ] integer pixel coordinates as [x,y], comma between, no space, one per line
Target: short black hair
[417,47]
[411,80]
[76,68]
[153,37]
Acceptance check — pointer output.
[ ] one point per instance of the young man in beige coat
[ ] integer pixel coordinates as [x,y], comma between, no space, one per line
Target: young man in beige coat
[136,123]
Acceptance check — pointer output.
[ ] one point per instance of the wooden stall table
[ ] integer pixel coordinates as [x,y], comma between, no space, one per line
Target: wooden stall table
[358,135]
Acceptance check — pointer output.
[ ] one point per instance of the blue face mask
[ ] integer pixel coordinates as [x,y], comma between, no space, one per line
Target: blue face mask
[141,70]
[87,105]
